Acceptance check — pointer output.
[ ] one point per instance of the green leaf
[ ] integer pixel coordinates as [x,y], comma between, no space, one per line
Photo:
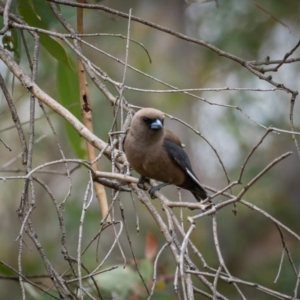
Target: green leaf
[146,268]
[4,270]
[44,12]
[120,280]
[68,91]
[16,41]
[27,11]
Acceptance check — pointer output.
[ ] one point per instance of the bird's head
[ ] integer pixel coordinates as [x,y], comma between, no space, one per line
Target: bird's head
[153,124]
[148,122]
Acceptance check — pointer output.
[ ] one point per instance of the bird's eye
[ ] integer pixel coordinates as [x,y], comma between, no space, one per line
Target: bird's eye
[145,119]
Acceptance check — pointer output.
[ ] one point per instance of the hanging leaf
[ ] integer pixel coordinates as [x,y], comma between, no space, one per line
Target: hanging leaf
[28,12]
[68,90]
[150,246]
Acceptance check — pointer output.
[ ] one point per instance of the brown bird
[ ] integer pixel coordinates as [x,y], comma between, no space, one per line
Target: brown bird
[155,152]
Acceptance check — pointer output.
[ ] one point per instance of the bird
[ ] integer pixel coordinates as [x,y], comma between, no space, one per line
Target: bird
[156,152]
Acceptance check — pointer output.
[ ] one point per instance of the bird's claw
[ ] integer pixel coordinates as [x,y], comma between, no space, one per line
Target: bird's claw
[155,188]
[152,190]
[141,182]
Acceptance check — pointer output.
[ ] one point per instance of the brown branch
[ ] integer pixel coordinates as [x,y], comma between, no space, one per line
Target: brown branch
[87,120]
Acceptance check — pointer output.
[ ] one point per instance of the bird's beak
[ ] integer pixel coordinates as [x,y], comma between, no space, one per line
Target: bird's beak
[157,124]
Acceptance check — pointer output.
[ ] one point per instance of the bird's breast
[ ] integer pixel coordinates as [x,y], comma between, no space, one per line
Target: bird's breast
[154,162]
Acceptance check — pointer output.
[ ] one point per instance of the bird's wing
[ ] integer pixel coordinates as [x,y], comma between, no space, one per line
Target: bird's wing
[169,135]
[178,155]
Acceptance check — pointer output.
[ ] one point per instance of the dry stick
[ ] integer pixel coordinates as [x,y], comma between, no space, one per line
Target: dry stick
[91,69]
[205,294]
[92,73]
[215,282]
[218,51]
[183,252]
[121,90]
[112,35]
[90,275]
[30,230]
[285,248]
[154,277]
[61,222]
[247,64]
[84,208]
[166,84]
[278,130]
[175,88]
[250,154]
[28,83]
[5,145]
[292,105]
[15,118]
[190,287]
[244,190]
[169,235]
[158,219]
[54,105]
[297,286]
[201,90]
[68,173]
[14,159]
[280,266]
[250,205]
[58,281]
[6,17]
[269,14]
[194,248]
[246,283]
[25,207]
[260,174]
[220,257]
[20,237]
[27,280]
[131,249]
[23,123]
[16,278]
[77,49]
[87,117]
[88,294]
[153,25]
[267,61]
[116,196]
[62,228]
[111,248]
[286,56]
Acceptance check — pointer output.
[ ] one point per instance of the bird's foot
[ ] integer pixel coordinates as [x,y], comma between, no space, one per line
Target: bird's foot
[141,182]
[208,204]
[153,189]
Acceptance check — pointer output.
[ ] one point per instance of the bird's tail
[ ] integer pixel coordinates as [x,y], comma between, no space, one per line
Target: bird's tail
[200,194]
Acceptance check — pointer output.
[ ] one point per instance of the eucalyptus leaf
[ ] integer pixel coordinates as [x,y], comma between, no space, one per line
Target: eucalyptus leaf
[68,90]
[28,12]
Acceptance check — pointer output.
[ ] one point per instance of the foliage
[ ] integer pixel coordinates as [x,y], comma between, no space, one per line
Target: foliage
[239,126]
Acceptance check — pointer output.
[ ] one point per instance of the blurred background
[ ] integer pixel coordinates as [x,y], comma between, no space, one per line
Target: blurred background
[250,243]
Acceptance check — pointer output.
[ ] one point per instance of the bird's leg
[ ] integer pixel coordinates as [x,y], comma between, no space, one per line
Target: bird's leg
[141,182]
[156,188]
